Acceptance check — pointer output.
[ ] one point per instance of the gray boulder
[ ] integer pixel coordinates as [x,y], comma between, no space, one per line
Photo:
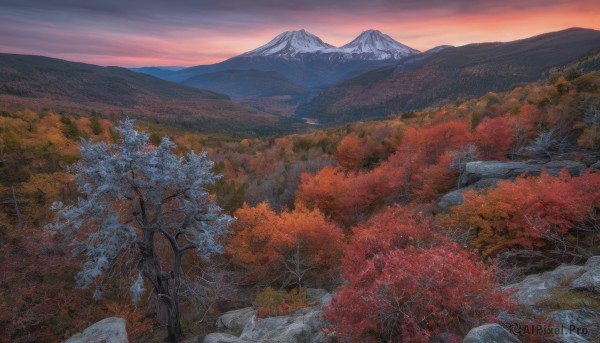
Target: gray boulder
[302,326]
[580,326]
[453,198]
[537,287]
[219,337]
[596,166]
[109,330]
[490,333]
[233,322]
[590,280]
[475,171]
[456,198]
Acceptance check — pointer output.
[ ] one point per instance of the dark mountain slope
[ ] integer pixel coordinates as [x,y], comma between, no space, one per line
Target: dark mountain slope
[448,75]
[244,83]
[38,82]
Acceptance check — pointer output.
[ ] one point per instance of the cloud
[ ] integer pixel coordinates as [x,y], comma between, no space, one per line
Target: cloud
[191,32]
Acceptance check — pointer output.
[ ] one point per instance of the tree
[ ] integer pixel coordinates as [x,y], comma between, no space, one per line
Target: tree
[407,283]
[494,137]
[291,248]
[137,196]
[529,213]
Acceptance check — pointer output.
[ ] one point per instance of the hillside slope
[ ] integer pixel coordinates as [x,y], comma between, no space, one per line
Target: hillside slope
[449,75]
[38,82]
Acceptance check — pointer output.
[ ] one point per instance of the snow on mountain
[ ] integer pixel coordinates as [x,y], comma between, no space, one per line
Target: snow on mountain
[291,44]
[369,45]
[374,45]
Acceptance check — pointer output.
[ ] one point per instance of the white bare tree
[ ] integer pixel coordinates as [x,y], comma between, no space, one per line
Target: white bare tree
[132,196]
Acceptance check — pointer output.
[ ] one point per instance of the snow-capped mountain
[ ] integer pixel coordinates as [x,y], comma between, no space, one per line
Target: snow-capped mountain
[304,59]
[374,45]
[291,44]
[371,45]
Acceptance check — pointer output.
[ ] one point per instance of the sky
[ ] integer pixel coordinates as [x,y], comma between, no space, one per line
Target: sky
[139,33]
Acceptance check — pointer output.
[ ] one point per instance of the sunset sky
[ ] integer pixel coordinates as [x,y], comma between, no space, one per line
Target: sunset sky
[191,32]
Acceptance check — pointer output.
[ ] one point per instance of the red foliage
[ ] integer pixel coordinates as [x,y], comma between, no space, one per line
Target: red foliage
[407,283]
[37,300]
[522,214]
[415,294]
[532,119]
[419,169]
[395,227]
[346,198]
[354,153]
[494,137]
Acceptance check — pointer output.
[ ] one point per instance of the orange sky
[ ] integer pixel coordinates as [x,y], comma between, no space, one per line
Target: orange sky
[187,32]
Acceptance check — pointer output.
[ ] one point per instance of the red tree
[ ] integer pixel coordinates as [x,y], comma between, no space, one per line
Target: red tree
[406,283]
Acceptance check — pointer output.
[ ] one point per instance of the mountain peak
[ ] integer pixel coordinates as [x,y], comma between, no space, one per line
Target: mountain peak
[291,43]
[379,45]
[369,45]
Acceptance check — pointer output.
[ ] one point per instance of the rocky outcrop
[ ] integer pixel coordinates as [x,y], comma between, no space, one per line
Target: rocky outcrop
[475,171]
[490,333]
[596,166]
[537,287]
[302,326]
[590,280]
[484,174]
[580,326]
[233,322]
[109,330]
[455,198]
[219,337]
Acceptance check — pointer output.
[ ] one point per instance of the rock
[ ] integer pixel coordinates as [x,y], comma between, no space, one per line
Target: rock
[580,326]
[301,326]
[596,166]
[537,287]
[233,322]
[490,333]
[219,337]
[475,171]
[590,280]
[319,295]
[109,330]
[455,198]
[573,167]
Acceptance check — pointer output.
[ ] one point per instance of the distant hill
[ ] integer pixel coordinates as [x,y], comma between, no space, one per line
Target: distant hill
[244,83]
[38,82]
[160,72]
[449,74]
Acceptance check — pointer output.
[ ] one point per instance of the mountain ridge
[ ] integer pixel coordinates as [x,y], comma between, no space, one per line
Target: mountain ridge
[368,45]
[38,83]
[450,74]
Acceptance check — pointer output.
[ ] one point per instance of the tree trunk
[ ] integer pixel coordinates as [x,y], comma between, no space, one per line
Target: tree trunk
[167,297]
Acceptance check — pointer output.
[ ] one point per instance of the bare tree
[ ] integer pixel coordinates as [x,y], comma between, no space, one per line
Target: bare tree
[297,267]
[460,158]
[134,196]
[548,144]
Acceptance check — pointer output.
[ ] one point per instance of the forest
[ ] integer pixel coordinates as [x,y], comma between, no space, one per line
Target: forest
[353,210]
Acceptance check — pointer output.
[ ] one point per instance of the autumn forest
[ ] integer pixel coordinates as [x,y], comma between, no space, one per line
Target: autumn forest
[356,210]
